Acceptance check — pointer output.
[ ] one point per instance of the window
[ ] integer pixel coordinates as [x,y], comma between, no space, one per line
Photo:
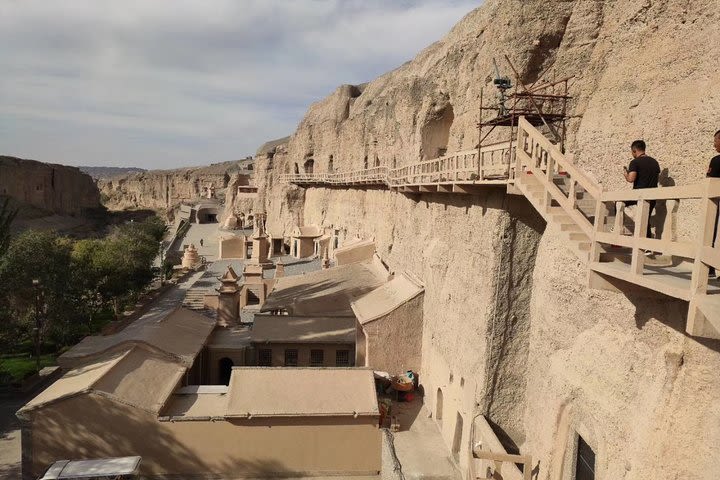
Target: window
[265,357]
[342,358]
[585,461]
[291,357]
[317,358]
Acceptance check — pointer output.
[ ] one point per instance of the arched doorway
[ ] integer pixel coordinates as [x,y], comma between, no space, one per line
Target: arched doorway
[439,406]
[225,366]
[309,165]
[365,163]
[436,133]
[331,167]
[457,438]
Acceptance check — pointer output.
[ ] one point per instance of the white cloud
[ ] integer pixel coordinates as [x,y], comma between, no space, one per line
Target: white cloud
[166,83]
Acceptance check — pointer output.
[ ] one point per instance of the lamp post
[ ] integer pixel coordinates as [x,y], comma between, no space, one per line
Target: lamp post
[36,330]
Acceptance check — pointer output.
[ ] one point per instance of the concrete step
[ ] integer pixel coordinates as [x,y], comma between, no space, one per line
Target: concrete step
[578,237]
[570,227]
[583,246]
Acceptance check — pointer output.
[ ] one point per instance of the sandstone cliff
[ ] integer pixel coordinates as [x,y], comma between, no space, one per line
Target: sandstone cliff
[162,190]
[510,329]
[47,188]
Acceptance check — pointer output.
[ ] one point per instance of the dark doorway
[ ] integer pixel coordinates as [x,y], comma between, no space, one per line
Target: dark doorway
[252,298]
[439,406]
[224,371]
[585,461]
[457,438]
[309,166]
[277,246]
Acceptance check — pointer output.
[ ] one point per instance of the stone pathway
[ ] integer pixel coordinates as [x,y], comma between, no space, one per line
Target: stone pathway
[419,445]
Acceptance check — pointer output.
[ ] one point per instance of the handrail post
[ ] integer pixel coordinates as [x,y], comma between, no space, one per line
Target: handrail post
[601,213]
[642,218]
[708,214]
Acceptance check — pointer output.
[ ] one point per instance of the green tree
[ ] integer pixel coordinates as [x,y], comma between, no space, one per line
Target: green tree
[35,275]
[7,215]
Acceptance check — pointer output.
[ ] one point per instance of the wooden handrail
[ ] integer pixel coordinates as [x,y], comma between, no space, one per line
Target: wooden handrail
[567,166]
[458,166]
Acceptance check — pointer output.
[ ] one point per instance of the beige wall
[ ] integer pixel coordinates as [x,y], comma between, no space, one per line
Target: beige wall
[360,346]
[92,427]
[239,357]
[354,254]
[278,353]
[394,342]
[233,248]
[305,247]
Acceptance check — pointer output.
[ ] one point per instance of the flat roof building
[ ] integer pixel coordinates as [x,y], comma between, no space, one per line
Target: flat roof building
[390,326]
[326,292]
[282,340]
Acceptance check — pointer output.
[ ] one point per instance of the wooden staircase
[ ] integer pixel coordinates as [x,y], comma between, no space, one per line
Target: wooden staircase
[612,246]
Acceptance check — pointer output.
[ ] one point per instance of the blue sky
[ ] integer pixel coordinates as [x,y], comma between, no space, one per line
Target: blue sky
[169,83]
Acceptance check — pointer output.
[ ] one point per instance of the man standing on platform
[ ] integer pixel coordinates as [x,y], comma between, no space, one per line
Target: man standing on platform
[714,172]
[643,172]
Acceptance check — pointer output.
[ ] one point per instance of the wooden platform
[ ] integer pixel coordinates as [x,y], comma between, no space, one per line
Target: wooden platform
[565,195]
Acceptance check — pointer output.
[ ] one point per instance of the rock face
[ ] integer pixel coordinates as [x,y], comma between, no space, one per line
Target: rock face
[53,189]
[162,190]
[510,329]
[109,172]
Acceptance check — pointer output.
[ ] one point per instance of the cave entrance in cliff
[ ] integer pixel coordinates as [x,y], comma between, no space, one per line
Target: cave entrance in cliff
[457,437]
[584,461]
[436,133]
[309,165]
[439,405]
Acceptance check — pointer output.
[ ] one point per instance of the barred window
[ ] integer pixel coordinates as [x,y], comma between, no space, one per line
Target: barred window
[317,358]
[291,357]
[342,358]
[265,357]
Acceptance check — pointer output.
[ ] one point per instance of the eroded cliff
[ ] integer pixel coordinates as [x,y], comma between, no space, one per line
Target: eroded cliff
[510,329]
[163,190]
[47,188]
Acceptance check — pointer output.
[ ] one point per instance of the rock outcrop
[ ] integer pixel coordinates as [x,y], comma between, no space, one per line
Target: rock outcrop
[511,331]
[47,188]
[163,190]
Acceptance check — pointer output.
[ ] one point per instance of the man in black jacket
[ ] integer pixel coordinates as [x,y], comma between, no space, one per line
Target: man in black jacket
[643,172]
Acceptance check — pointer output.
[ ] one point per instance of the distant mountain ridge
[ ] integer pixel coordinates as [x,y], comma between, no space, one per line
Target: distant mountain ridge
[102,173]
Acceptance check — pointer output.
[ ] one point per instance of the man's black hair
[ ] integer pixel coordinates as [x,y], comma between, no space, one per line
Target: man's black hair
[717,133]
[638,145]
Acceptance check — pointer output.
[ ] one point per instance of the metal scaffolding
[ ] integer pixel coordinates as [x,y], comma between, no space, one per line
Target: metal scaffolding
[542,105]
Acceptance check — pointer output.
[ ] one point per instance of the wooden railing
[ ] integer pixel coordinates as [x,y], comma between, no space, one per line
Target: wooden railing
[536,155]
[687,277]
[375,175]
[492,163]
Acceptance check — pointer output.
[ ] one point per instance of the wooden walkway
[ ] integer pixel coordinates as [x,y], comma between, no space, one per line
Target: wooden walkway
[593,222]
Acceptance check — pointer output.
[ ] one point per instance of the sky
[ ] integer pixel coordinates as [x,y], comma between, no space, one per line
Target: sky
[170,83]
